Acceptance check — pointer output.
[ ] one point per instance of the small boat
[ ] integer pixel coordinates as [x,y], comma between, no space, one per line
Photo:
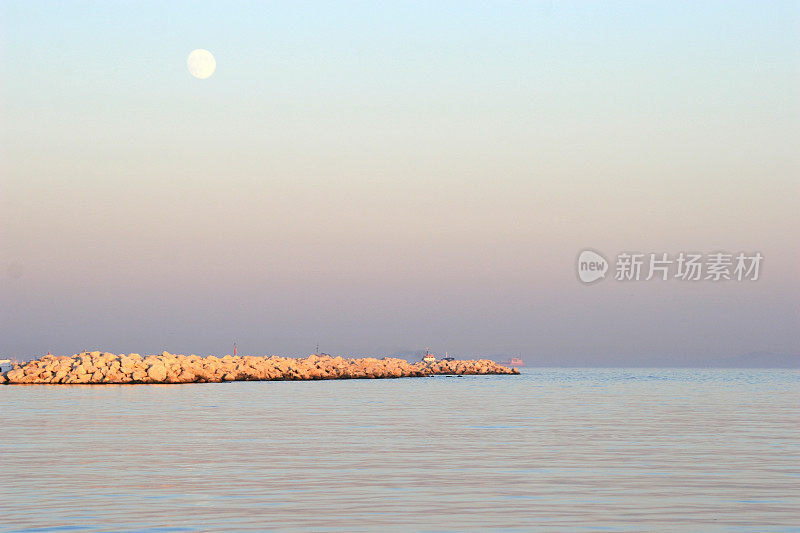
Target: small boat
[447,358]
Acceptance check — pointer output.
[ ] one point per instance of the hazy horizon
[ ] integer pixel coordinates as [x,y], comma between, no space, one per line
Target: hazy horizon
[382,178]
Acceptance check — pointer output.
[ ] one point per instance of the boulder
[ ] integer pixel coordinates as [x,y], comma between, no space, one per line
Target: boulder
[186,377]
[15,375]
[157,372]
[80,378]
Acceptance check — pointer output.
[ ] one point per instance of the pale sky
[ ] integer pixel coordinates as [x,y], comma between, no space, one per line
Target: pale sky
[381,178]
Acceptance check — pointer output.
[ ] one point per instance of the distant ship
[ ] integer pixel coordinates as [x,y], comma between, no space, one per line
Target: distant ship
[429,357]
[513,361]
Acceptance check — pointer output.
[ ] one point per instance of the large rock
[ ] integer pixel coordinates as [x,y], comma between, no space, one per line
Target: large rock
[15,375]
[157,372]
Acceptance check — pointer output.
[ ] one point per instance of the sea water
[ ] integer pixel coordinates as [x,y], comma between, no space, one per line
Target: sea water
[548,450]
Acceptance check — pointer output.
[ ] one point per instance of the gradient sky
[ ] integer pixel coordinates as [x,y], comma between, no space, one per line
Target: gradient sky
[380,178]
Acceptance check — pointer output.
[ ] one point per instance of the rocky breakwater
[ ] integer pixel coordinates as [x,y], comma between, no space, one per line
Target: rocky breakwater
[101,368]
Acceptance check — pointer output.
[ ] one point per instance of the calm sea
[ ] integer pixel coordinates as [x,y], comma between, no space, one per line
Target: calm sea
[550,450]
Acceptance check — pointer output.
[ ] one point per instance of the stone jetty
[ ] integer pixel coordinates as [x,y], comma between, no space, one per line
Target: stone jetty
[109,368]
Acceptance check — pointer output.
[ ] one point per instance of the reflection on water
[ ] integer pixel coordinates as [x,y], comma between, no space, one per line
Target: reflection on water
[550,450]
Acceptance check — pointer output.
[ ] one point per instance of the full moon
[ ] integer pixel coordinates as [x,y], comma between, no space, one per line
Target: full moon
[201,64]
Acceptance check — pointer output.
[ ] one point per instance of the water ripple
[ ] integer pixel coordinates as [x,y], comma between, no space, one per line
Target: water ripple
[551,450]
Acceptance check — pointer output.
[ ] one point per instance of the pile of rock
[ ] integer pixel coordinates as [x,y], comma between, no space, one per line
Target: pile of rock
[98,367]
